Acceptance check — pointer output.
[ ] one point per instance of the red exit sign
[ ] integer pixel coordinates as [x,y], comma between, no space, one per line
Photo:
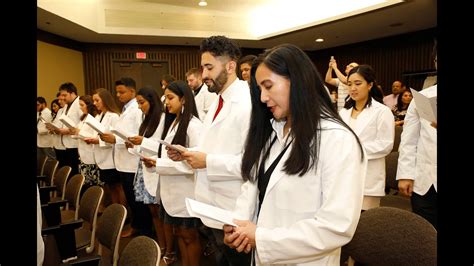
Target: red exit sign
[140,55]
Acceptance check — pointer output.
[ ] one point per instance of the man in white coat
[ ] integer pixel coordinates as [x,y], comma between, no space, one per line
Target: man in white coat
[202,96]
[126,163]
[44,140]
[417,163]
[217,159]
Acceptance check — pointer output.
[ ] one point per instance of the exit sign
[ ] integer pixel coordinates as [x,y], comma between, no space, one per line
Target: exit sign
[140,55]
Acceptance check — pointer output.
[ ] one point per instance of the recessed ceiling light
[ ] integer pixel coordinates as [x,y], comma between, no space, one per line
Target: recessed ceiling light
[202,3]
[319,40]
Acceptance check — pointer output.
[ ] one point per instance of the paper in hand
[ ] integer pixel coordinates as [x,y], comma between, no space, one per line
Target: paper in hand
[171,146]
[203,210]
[426,107]
[94,124]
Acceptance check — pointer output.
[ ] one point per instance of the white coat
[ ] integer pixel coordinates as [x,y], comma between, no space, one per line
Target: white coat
[150,177]
[305,220]
[223,140]
[418,149]
[177,178]
[375,128]
[86,151]
[129,121]
[203,100]
[103,152]
[56,138]
[43,138]
[74,113]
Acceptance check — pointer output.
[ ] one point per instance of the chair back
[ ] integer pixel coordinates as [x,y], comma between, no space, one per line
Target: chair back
[73,192]
[391,163]
[41,161]
[60,180]
[392,236]
[396,141]
[88,210]
[109,229]
[50,170]
[141,251]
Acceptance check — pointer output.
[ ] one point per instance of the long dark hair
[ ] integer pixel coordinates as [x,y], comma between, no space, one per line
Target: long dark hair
[152,119]
[375,92]
[181,89]
[400,104]
[309,103]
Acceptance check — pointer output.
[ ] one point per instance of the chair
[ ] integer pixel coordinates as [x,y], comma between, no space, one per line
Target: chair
[396,141]
[49,171]
[141,251]
[109,228]
[72,194]
[391,236]
[60,181]
[51,210]
[88,210]
[391,163]
[392,197]
[41,161]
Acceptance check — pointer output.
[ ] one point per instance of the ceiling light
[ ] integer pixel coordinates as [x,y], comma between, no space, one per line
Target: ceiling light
[319,40]
[202,3]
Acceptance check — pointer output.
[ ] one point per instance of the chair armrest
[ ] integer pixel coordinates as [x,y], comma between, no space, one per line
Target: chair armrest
[66,239]
[45,193]
[70,225]
[52,212]
[93,260]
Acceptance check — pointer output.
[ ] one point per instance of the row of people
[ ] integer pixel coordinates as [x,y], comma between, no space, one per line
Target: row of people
[295,171]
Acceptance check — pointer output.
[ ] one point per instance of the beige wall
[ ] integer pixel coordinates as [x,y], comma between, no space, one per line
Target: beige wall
[57,65]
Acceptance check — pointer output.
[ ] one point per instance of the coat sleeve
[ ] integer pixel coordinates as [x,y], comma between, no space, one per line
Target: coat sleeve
[408,144]
[382,144]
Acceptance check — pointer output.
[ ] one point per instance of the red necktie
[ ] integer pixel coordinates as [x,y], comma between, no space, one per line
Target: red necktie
[219,107]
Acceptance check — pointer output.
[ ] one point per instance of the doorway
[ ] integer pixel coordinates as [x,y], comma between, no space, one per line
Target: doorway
[144,73]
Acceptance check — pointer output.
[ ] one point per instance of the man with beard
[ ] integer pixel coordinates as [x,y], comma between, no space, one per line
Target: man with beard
[217,158]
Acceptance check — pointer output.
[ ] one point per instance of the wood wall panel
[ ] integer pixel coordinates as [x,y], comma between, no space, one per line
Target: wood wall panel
[98,61]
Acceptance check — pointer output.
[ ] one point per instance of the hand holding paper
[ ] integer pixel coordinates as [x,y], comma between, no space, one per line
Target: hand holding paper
[94,124]
[67,121]
[171,146]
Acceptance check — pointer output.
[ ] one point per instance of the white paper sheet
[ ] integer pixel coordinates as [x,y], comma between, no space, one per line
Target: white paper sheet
[67,121]
[426,107]
[119,133]
[136,153]
[203,210]
[94,124]
[149,146]
[171,146]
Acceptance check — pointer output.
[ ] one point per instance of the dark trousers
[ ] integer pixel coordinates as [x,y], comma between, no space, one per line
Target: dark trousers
[426,206]
[141,216]
[72,159]
[226,256]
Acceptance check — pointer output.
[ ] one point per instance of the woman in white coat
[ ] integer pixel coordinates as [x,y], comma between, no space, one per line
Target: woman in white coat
[146,178]
[304,168]
[373,123]
[87,166]
[103,151]
[182,127]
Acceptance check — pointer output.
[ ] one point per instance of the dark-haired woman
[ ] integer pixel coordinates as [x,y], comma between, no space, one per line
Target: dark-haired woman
[182,127]
[304,168]
[372,121]
[146,179]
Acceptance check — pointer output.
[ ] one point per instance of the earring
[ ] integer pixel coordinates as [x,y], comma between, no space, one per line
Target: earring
[182,108]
